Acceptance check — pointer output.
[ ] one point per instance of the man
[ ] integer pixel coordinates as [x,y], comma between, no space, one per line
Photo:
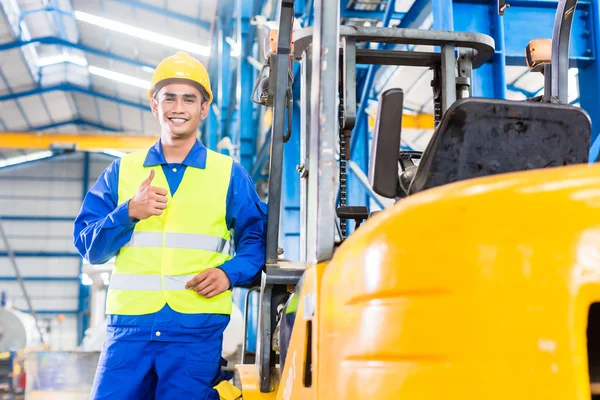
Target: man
[166,214]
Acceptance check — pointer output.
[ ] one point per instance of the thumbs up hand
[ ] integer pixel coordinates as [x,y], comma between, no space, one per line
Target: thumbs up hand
[148,200]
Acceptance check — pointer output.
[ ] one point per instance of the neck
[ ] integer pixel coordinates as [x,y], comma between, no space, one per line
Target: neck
[176,149]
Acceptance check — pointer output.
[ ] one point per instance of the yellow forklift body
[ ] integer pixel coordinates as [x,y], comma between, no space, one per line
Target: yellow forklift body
[250,383]
[475,290]
[298,379]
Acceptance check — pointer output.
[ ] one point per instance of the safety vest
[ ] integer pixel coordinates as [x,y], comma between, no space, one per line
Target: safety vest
[167,251]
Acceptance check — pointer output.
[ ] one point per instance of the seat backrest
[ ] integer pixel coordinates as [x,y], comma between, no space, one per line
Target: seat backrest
[479,137]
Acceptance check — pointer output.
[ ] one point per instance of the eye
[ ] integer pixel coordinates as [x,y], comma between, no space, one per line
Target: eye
[168,99]
[189,101]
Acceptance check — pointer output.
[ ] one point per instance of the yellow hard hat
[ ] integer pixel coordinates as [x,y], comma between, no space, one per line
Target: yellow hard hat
[180,66]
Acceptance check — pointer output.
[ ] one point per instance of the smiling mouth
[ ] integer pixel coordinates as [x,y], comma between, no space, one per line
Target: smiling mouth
[178,120]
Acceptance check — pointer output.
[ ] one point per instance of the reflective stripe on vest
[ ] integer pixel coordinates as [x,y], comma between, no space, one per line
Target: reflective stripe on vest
[180,241]
[148,282]
[166,251]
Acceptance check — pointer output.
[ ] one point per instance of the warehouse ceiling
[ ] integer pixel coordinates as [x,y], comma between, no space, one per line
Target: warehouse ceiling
[84,65]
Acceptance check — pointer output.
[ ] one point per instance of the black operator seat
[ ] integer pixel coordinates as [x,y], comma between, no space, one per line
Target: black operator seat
[479,137]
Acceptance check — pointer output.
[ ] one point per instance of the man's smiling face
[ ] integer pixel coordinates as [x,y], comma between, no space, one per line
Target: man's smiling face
[179,107]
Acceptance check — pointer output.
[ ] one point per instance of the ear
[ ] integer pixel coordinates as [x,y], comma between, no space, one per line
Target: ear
[154,107]
[204,110]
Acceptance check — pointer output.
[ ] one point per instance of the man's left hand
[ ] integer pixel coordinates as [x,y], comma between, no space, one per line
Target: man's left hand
[209,283]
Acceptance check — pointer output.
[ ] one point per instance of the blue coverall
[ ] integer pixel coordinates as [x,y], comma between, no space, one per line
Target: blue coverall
[166,355]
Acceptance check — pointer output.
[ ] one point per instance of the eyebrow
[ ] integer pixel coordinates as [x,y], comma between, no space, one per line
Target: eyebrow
[185,95]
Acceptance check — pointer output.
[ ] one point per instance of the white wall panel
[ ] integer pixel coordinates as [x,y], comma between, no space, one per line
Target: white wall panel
[35,207]
[41,288]
[41,266]
[43,303]
[57,190]
[96,168]
[40,243]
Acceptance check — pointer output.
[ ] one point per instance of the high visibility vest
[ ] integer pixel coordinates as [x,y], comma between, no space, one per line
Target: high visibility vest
[168,250]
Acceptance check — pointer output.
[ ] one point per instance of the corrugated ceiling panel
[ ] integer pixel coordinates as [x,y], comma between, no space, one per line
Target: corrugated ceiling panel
[37,266]
[86,106]
[15,70]
[3,87]
[131,119]
[135,94]
[66,129]
[151,125]
[54,75]
[12,117]
[109,113]
[59,107]
[36,113]
[39,24]
[6,34]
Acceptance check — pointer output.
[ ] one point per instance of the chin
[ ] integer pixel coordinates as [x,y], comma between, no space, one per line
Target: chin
[179,131]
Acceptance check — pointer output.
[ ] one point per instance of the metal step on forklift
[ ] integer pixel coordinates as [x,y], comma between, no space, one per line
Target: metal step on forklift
[482,281]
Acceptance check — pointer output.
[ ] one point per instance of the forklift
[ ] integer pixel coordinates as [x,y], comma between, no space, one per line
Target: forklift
[482,281]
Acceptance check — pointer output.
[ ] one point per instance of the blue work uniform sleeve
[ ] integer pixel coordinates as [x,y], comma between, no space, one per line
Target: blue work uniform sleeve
[103,226]
[246,215]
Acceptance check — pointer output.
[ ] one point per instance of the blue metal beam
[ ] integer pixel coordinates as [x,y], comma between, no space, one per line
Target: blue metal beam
[589,81]
[38,311]
[167,13]
[70,122]
[347,13]
[414,18]
[83,303]
[40,254]
[532,19]
[51,40]
[67,87]
[490,79]
[246,74]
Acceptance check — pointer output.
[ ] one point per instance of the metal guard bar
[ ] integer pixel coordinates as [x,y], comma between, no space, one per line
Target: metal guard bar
[560,49]
[483,45]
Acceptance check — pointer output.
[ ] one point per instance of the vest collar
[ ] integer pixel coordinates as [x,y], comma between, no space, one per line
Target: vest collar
[196,157]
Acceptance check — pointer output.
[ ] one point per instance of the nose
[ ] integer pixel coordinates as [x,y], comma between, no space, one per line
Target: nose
[178,106]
